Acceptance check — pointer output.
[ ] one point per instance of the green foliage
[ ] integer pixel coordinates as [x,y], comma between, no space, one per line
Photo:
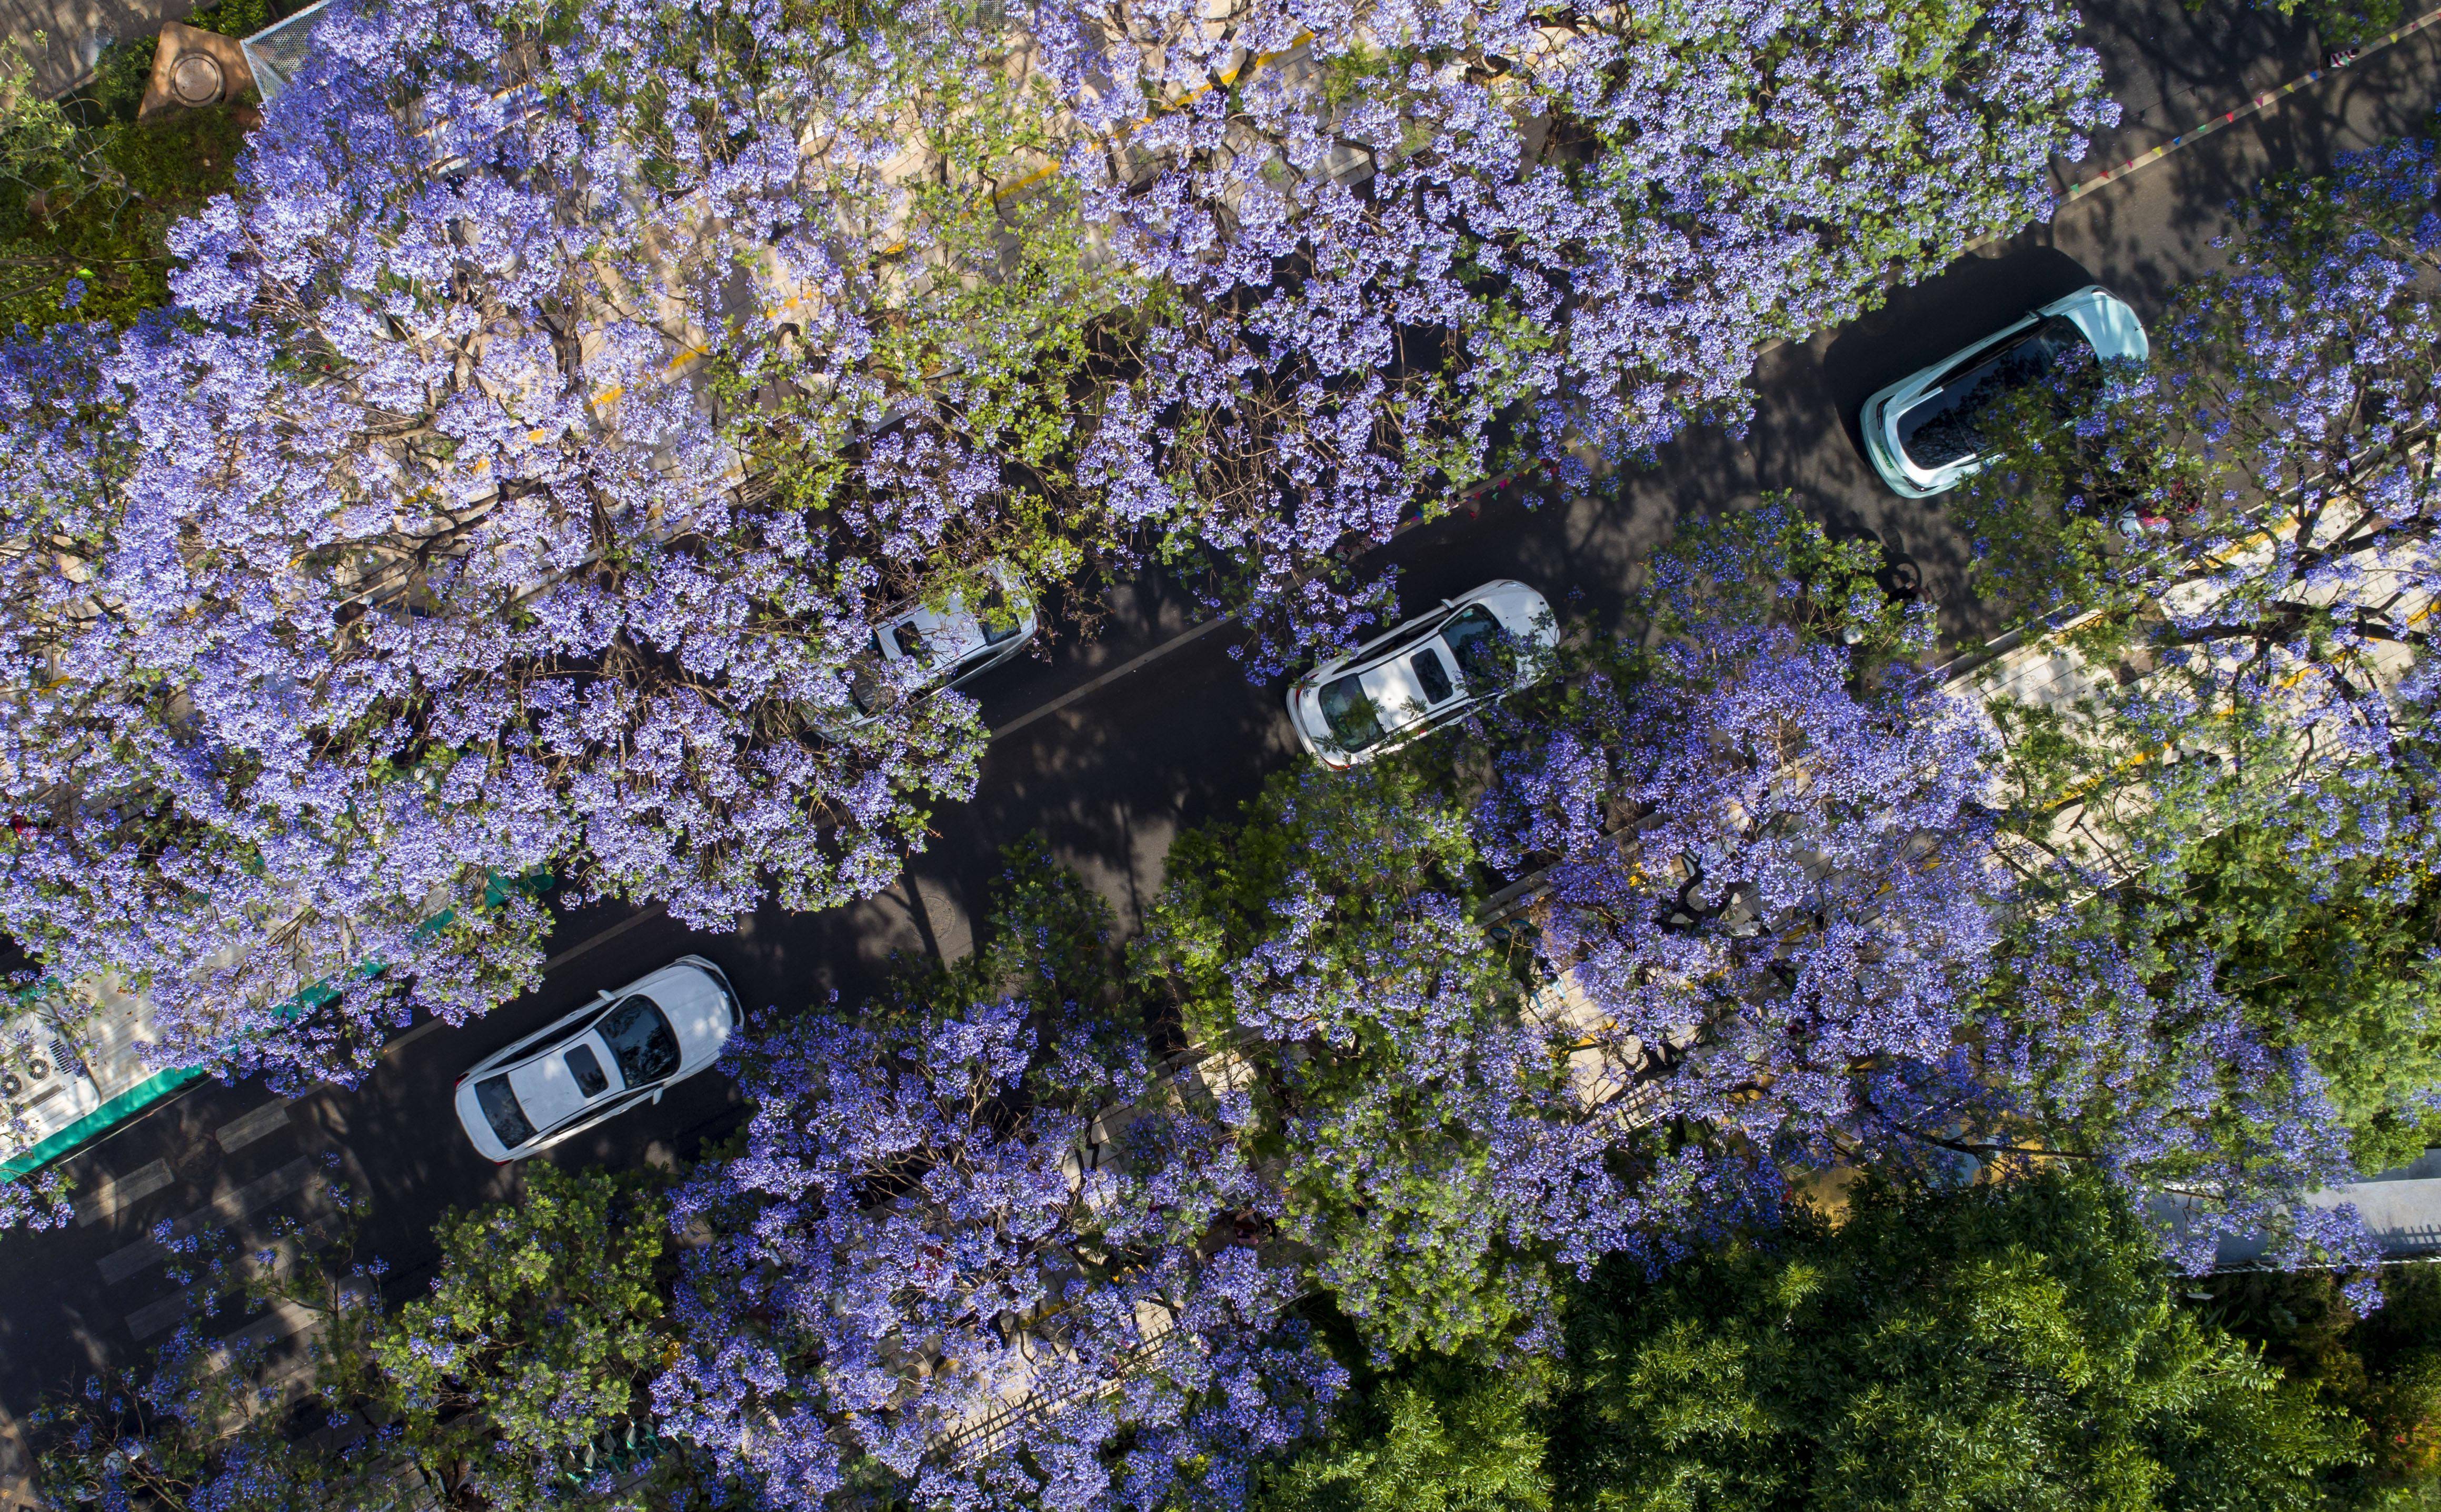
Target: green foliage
[2384,1368]
[1373,837]
[1775,564]
[84,209]
[1993,1348]
[2011,1347]
[545,1319]
[2340,23]
[2337,963]
[1378,1030]
[1434,1435]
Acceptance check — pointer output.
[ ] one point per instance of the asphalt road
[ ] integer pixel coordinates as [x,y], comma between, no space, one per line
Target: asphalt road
[1112,778]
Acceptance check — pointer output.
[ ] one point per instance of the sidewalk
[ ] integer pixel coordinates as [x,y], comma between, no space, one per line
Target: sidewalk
[75,32]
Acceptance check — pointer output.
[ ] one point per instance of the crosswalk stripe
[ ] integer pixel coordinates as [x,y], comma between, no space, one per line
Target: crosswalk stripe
[115,1194]
[295,1177]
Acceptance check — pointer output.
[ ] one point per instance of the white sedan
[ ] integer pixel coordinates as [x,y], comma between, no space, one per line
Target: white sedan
[1921,431]
[621,1050]
[1402,684]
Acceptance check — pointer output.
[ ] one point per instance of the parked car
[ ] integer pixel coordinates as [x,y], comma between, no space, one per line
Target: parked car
[1401,686]
[1921,432]
[940,648]
[624,1048]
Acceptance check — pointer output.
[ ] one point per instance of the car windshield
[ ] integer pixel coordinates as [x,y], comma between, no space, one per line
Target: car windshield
[999,619]
[503,1111]
[1945,428]
[642,1039]
[1485,659]
[583,1065]
[1433,676]
[1351,715]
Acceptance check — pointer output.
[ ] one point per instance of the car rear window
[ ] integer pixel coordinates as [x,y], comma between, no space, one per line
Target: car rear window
[642,1039]
[1485,659]
[503,1111]
[1945,427]
[866,688]
[1349,713]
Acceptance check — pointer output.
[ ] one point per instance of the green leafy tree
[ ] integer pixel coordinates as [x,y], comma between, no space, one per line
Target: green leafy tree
[1434,1435]
[84,209]
[545,1319]
[2383,1367]
[1418,1124]
[2010,1346]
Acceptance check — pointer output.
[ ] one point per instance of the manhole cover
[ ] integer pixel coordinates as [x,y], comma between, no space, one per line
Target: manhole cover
[195,79]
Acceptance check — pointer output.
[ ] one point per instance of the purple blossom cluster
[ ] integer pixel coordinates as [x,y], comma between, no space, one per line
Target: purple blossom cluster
[1779,886]
[956,1254]
[2126,1051]
[549,414]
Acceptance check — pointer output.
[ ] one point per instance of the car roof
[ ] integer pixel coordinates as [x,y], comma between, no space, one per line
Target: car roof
[666,978]
[1395,693]
[547,1092]
[950,634]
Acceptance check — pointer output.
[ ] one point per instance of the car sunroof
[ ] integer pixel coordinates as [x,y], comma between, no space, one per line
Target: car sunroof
[591,1078]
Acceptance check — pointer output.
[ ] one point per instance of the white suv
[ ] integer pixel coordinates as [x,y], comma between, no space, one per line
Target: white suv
[1921,431]
[1401,686]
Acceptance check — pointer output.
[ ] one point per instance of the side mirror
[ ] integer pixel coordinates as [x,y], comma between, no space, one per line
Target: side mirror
[658,1092]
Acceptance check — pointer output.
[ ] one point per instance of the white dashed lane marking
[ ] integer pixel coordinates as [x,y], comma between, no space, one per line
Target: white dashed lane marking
[244,1130]
[115,1194]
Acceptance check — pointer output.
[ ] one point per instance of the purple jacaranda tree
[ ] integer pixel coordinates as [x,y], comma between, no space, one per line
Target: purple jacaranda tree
[1407,1099]
[1419,236]
[1798,879]
[2103,1038]
[1776,882]
[2247,522]
[978,1251]
[566,389]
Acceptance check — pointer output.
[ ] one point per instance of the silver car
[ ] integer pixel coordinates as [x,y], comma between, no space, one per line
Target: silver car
[621,1050]
[1402,684]
[940,648]
[1921,431]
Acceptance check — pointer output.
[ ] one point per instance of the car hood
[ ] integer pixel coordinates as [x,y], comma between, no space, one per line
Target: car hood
[1523,613]
[2108,324]
[697,1010]
[478,1129]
